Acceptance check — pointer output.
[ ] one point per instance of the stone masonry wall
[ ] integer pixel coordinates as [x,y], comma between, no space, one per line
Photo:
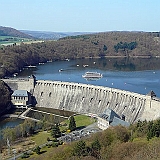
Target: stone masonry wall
[21,84]
[85,98]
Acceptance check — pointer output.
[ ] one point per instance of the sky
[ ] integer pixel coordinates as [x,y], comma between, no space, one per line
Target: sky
[81,15]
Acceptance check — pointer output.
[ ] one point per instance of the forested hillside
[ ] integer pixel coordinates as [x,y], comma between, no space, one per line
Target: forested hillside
[4,96]
[14,58]
[138,142]
[7,31]
[45,35]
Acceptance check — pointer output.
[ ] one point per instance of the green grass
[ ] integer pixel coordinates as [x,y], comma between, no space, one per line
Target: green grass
[81,121]
[12,40]
[41,137]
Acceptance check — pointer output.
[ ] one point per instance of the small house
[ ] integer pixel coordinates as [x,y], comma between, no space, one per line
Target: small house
[20,99]
[110,118]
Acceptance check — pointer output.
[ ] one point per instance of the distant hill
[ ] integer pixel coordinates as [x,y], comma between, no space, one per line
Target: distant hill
[51,35]
[7,31]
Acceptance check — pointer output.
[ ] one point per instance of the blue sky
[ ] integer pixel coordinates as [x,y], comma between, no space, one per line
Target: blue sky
[81,15]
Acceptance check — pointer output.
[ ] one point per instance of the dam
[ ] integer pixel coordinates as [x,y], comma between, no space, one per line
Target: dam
[88,99]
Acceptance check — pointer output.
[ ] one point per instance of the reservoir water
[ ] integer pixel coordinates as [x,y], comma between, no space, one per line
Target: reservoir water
[136,75]
[11,123]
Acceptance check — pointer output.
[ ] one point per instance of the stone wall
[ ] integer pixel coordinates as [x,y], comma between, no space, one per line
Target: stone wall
[85,98]
[152,109]
[21,83]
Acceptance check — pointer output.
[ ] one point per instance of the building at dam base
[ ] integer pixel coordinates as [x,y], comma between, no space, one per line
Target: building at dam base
[21,99]
[88,99]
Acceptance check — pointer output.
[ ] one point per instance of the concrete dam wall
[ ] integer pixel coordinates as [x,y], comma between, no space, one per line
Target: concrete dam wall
[21,83]
[85,98]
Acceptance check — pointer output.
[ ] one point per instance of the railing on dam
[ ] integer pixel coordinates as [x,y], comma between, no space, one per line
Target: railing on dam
[15,79]
[156,99]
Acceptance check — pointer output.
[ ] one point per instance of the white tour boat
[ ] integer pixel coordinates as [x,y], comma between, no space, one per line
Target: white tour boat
[89,75]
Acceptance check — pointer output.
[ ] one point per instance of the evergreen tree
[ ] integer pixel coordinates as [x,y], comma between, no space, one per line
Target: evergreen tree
[79,149]
[96,147]
[104,48]
[55,131]
[157,128]
[31,130]
[38,150]
[72,124]
[151,130]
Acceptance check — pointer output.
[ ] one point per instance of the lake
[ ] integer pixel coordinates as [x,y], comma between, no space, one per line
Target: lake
[138,75]
[11,123]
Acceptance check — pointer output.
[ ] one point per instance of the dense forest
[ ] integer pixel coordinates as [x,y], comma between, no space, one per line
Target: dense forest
[14,58]
[4,96]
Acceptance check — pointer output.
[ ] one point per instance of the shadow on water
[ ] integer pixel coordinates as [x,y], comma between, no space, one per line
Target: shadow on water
[121,64]
[92,79]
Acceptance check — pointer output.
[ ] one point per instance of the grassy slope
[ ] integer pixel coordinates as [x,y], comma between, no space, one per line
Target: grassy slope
[81,121]
[16,40]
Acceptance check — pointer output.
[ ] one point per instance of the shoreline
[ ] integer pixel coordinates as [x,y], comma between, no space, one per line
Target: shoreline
[121,57]
[109,56]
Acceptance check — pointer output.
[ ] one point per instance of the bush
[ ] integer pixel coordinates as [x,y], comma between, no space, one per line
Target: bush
[60,142]
[37,150]
[25,155]
[55,140]
[54,144]
[48,139]
[48,145]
